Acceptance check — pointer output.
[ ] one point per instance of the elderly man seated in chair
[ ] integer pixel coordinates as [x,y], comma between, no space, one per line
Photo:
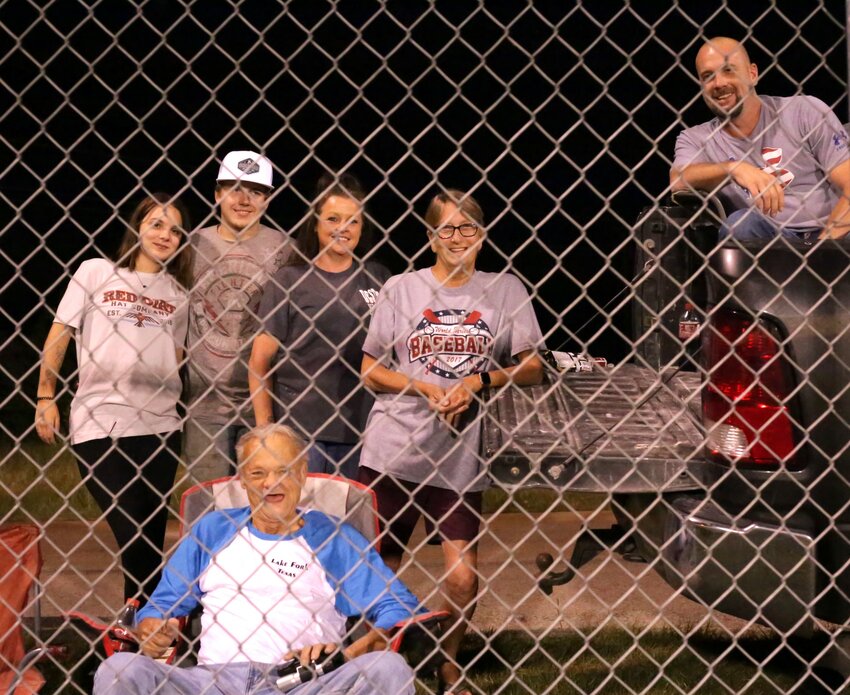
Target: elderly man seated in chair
[276,583]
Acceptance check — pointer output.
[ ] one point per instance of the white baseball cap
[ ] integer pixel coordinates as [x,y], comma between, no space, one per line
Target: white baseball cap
[245,166]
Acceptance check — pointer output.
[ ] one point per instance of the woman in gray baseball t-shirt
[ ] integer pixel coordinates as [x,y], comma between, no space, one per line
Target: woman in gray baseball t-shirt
[439,336]
[305,365]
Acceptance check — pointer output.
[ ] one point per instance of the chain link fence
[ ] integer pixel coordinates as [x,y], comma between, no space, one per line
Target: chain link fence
[665,512]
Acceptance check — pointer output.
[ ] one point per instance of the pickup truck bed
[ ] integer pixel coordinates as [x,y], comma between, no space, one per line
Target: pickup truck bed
[733,479]
[624,429]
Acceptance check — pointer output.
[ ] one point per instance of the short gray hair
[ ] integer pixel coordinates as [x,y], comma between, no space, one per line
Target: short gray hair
[263,432]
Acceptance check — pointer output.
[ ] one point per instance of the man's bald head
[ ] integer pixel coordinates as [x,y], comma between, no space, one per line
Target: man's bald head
[724,47]
[727,75]
[280,439]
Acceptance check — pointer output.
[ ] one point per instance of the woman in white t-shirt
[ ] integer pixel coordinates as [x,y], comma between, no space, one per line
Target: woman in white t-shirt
[437,337]
[129,322]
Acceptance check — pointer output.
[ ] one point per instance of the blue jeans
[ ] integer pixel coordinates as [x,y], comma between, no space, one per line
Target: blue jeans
[750,225]
[209,449]
[378,673]
[334,459]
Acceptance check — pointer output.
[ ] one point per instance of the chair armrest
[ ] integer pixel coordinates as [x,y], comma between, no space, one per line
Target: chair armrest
[114,639]
[111,639]
[418,639]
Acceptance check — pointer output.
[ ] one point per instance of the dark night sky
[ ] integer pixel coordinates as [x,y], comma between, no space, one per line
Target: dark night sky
[560,116]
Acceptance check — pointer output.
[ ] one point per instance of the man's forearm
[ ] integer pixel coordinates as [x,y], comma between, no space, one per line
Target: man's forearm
[705,176]
[838,223]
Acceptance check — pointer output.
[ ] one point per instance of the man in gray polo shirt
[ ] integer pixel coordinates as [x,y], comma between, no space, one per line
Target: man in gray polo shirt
[780,163]
[233,262]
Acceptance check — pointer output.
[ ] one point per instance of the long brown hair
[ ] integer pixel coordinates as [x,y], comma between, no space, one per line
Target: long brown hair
[180,264]
[307,236]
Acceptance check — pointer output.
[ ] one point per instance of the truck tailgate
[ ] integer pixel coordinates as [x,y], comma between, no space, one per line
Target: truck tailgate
[628,429]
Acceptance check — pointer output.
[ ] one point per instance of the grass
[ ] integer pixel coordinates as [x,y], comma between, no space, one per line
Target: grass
[612,661]
[39,482]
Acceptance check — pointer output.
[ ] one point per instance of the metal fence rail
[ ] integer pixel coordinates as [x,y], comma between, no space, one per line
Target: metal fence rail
[667,517]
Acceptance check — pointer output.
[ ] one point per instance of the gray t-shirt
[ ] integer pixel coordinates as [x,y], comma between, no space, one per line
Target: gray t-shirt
[229,277]
[797,139]
[320,320]
[440,335]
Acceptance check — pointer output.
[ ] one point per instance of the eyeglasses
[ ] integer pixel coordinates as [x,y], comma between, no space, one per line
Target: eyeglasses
[447,231]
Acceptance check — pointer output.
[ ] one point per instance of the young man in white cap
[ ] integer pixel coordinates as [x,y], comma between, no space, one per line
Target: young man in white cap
[233,262]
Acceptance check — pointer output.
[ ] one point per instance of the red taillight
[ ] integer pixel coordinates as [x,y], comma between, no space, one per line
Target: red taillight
[745,398]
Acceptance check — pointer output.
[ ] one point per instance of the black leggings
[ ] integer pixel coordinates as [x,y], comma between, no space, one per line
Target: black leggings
[131,479]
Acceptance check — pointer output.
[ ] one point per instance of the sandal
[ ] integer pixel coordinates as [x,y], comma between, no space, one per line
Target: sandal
[458,686]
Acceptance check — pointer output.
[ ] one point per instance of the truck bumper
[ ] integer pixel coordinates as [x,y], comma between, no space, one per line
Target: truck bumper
[749,569]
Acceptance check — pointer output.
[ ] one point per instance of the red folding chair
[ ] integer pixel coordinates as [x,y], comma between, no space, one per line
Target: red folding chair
[20,565]
[348,500]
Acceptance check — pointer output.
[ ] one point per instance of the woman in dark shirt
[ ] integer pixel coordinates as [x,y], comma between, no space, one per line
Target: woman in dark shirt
[305,365]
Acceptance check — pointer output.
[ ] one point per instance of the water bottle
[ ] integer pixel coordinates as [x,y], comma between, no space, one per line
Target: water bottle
[293,673]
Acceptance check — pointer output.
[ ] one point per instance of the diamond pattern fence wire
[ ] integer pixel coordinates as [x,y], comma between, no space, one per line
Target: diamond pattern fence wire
[651,493]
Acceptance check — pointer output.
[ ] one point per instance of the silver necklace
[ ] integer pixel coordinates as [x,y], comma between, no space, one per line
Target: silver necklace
[139,278]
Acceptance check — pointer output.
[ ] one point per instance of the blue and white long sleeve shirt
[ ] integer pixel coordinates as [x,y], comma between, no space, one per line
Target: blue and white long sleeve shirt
[264,595]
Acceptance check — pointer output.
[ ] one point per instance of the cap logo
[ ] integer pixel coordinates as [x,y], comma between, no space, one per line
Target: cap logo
[248,166]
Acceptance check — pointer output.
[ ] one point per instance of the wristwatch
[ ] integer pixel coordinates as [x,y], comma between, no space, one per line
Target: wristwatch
[485,379]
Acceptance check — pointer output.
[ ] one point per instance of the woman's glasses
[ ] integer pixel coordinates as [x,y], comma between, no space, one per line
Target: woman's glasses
[447,231]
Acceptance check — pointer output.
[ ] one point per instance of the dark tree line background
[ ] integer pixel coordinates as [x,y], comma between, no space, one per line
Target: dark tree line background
[559,116]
